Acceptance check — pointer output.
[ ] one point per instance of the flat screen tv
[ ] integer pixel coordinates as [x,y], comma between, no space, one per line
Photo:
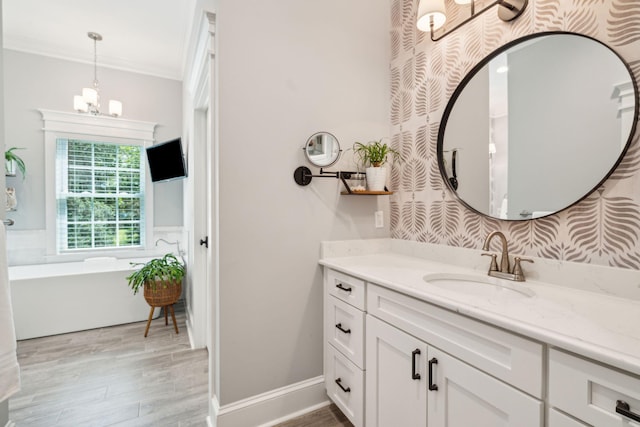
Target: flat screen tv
[166,161]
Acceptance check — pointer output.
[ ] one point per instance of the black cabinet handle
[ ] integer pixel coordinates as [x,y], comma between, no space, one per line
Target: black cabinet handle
[414,374]
[623,408]
[339,382]
[346,331]
[342,288]
[432,386]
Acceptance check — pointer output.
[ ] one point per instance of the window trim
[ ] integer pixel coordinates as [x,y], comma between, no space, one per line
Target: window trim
[106,129]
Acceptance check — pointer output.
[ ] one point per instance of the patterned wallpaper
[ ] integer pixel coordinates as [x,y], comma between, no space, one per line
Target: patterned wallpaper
[602,229]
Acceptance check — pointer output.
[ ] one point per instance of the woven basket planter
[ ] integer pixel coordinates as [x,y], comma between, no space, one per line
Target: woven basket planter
[165,292]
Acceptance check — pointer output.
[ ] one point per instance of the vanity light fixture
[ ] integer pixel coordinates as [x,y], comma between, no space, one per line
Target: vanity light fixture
[89,101]
[432,16]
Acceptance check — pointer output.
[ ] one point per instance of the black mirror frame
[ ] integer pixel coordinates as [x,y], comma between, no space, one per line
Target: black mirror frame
[440,142]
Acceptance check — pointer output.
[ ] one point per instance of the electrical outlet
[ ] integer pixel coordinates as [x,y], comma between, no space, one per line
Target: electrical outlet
[379,219]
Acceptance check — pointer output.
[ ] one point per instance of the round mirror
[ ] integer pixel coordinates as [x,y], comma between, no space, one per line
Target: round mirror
[322,149]
[537,126]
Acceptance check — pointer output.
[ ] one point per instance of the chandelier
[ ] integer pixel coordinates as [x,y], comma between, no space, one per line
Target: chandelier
[89,101]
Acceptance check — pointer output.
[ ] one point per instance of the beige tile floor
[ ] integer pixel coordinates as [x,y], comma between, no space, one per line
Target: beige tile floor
[116,377]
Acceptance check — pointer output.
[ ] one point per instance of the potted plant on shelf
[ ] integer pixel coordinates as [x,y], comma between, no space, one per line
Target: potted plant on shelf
[161,279]
[373,155]
[13,162]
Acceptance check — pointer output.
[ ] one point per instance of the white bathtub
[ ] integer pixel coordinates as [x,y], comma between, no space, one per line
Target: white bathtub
[51,299]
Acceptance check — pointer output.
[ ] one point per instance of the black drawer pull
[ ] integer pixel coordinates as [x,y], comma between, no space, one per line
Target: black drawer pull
[414,374]
[623,408]
[342,288]
[346,331]
[339,382]
[432,386]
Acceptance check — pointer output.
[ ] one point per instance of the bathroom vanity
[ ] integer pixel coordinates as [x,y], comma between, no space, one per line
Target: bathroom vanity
[417,335]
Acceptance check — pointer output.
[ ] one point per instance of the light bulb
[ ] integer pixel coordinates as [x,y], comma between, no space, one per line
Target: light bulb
[429,10]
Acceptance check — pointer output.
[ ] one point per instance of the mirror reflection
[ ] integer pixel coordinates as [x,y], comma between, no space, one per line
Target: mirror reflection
[537,126]
[322,149]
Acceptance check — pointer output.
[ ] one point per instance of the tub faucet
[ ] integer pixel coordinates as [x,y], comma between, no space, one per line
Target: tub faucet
[177,243]
[503,271]
[167,242]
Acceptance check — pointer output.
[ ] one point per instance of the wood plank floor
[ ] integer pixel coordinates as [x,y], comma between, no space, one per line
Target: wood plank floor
[112,377]
[329,416]
[116,377]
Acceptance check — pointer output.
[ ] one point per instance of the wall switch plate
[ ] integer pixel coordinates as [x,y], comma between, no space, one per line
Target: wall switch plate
[379,219]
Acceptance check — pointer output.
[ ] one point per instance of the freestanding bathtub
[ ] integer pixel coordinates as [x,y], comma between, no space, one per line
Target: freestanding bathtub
[51,299]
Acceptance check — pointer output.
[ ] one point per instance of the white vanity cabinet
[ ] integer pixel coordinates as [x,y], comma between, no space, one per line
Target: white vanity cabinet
[414,354]
[393,360]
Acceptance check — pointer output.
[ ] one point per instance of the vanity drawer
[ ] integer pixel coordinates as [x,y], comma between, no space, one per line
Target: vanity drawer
[346,288]
[590,391]
[508,357]
[345,385]
[345,329]
[558,419]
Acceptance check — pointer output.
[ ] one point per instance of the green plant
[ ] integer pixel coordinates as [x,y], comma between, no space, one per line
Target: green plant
[374,153]
[10,156]
[166,270]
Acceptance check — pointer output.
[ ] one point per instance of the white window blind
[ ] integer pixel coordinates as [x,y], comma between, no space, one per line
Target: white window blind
[99,195]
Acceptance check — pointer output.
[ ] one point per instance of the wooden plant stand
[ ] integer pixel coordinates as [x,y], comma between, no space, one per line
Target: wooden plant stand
[166,320]
[164,295]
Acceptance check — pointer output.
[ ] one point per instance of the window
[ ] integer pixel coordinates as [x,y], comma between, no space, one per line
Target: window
[96,200]
[99,195]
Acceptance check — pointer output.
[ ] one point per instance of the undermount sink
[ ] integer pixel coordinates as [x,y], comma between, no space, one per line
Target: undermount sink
[479,285]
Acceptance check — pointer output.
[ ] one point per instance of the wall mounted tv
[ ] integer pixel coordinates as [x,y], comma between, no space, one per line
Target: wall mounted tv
[166,161]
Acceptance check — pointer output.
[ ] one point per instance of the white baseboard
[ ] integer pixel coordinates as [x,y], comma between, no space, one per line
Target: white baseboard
[188,323]
[272,407]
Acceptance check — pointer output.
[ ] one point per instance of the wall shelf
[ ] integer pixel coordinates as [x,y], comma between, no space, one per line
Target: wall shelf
[366,193]
[303,176]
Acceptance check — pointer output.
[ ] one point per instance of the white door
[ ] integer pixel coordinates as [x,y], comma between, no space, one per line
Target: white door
[396,382]
[466,397]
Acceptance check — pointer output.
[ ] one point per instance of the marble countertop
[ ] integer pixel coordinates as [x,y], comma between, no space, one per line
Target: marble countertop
[598,326]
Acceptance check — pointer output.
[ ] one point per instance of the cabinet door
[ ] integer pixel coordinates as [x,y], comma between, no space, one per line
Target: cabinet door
[396,391]
[466,397]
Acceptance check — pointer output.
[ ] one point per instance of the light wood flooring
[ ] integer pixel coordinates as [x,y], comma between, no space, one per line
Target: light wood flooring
[116,377]
[112,377]
[329,416]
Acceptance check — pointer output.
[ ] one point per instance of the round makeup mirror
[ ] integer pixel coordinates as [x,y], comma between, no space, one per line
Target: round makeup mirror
[322,149]
[537,126]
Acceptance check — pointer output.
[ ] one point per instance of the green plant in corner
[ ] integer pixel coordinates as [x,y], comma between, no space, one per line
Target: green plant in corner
[11,158]
[374,153]
[165,272]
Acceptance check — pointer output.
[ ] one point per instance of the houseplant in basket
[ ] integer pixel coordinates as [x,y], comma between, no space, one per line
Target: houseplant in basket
[373,155]
[161,280]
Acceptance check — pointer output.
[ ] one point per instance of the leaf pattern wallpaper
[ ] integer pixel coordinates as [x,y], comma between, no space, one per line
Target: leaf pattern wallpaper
[602,229]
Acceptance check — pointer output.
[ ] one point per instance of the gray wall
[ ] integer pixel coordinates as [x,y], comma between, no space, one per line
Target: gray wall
[287,69]
[34,81]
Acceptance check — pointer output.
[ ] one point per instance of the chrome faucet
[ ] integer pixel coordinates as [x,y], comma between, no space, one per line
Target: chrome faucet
[503,271]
